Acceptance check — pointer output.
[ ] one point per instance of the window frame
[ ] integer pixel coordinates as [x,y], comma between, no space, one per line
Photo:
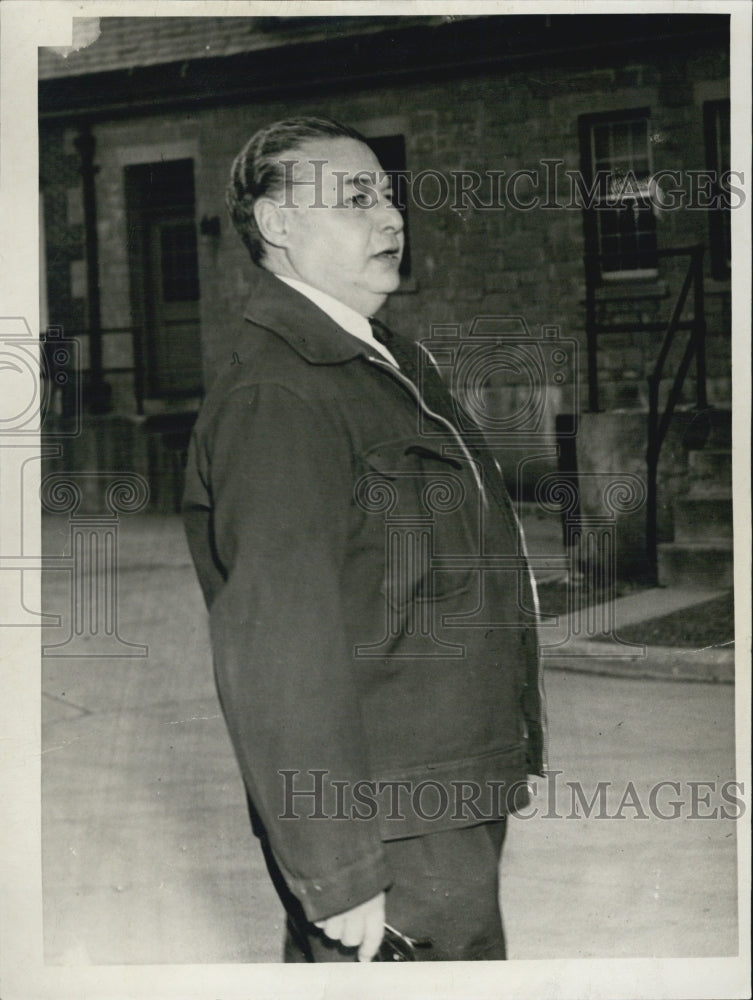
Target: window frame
[390,149]
[592,232]
[719,220]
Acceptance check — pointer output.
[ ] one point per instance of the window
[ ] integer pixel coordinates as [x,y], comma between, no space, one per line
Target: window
[716,130]
[619,222]
[390,151]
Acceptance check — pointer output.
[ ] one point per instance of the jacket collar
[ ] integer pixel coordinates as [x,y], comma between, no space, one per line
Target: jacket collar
[303,325]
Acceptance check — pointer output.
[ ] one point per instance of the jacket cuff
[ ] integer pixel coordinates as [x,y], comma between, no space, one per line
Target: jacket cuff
[327,896]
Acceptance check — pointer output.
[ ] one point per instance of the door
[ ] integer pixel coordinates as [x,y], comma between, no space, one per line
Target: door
[165,289]
[173,332]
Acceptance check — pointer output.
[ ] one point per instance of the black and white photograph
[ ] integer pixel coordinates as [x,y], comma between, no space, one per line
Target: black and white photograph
[375,528]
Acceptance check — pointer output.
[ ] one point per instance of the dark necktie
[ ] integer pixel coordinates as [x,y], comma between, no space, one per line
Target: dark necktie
[438,398]
[433,390]
[425,377]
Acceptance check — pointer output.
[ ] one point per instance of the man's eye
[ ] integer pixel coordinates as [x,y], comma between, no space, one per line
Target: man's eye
[361,200]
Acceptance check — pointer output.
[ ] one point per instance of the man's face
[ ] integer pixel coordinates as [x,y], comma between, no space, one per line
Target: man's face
[345,237]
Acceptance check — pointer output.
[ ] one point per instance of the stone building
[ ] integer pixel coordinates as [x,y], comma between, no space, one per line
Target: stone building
[550,166]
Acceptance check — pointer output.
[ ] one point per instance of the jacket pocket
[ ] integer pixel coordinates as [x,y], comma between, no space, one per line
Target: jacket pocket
[426,505]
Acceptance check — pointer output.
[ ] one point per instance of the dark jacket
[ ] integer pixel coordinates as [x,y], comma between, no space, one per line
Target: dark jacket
[363,572]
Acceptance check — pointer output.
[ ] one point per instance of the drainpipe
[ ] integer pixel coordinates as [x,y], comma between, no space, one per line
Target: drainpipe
[98,391]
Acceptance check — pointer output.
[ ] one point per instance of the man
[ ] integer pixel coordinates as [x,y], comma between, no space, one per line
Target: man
[378,672]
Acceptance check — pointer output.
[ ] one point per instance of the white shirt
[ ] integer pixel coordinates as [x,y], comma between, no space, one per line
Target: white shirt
[350,320]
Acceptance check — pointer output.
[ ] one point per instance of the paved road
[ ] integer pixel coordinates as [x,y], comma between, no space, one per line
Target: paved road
[148,857]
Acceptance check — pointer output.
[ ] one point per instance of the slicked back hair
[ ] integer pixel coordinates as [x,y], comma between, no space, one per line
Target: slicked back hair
[257,170]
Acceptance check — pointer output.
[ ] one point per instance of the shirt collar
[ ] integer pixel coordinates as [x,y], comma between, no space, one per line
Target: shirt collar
[350,320]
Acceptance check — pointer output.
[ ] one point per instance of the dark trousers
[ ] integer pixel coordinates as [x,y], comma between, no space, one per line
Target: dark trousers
[445,891]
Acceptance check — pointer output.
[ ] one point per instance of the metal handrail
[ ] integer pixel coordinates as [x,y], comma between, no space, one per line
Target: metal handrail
[137,369]
[658,425]
[592,267]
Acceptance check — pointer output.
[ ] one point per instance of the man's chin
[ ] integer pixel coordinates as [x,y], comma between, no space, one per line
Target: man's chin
[368,298]
[390,283]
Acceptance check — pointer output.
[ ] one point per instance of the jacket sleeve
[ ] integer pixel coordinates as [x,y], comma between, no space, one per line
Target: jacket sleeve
[281,485]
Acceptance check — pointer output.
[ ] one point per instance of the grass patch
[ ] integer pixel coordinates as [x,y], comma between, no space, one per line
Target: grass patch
[561,598]
[709,624]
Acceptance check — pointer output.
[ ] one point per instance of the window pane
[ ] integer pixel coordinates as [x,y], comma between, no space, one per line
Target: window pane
[609,223]
[638,138]
[610,244]
[602,150]
[625,231]
[180,279]
[621,140]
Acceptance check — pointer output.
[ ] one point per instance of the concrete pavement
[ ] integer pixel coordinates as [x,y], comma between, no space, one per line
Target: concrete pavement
[148,857]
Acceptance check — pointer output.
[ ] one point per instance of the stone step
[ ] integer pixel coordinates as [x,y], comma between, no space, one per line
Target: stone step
[621,394]
[699,519]
[710,489]
[711,463]
[696,565]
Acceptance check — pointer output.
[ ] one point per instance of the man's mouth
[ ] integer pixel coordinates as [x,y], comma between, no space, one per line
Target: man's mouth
[391,253]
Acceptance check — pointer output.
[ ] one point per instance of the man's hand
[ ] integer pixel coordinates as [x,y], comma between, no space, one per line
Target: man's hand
[362,927]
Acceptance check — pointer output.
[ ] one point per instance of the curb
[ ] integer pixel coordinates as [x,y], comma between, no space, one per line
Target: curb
[661,663]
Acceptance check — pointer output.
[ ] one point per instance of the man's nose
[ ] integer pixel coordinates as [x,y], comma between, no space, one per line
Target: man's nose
[388,217]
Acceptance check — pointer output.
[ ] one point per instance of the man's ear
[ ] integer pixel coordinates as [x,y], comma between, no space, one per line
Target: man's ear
[272,221]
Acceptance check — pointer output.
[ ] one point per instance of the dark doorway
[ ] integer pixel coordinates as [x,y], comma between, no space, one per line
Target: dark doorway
[161,210]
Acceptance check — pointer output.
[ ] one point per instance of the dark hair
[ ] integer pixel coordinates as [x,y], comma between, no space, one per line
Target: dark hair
[256,170]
